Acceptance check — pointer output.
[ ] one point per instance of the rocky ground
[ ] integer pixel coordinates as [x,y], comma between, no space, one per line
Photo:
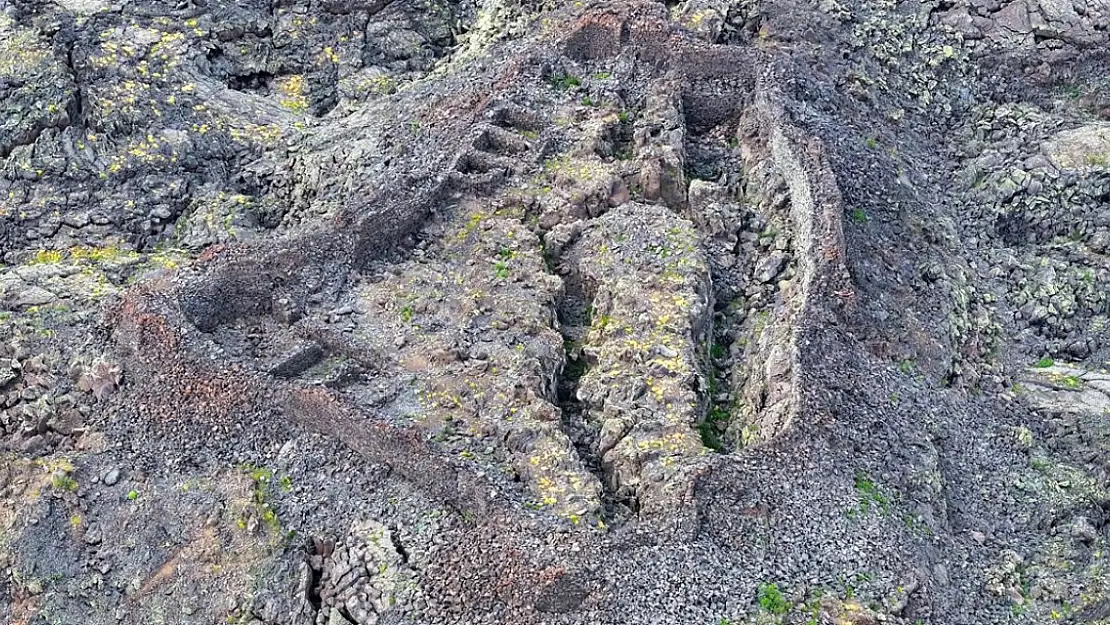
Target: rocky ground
[715,311]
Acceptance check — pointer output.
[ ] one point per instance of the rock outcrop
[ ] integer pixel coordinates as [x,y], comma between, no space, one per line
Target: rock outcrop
[341,312]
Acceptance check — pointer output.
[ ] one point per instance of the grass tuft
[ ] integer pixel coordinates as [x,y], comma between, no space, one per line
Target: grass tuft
[771,599]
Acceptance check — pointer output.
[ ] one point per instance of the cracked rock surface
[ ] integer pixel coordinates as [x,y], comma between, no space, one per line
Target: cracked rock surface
[353,312]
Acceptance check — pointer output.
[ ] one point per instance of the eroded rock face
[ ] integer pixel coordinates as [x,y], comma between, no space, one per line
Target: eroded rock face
[359,580]
[354,312]
[649,305]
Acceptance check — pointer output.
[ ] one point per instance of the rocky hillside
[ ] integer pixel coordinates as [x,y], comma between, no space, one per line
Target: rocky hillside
[720,312]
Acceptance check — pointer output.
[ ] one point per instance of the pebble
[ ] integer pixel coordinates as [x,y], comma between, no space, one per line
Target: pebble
[666,352]
[111,478]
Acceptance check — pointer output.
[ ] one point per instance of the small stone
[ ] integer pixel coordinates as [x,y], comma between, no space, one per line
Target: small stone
[335,617]
[34,587]
[76,220]
[771,267]
[1082,530]
[111,478]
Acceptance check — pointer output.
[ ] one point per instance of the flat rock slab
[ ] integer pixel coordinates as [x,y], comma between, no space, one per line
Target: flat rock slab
[1086,146]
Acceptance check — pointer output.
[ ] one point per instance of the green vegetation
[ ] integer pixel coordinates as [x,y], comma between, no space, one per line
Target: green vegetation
[771,599]
[501,269]
[263,479]
[1044,363]
[588,101]
[906,365]
[915,523]
[575,368]
[708,428]
[46,257]
[132,495]
[406,313]
[291,90]
[1024,436]
[870,496]
[1070,381]
[1098,160]
[813,608]
[857,216]
[563,82]
[718,351]
[63,482]
[872,143]
[603,321]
